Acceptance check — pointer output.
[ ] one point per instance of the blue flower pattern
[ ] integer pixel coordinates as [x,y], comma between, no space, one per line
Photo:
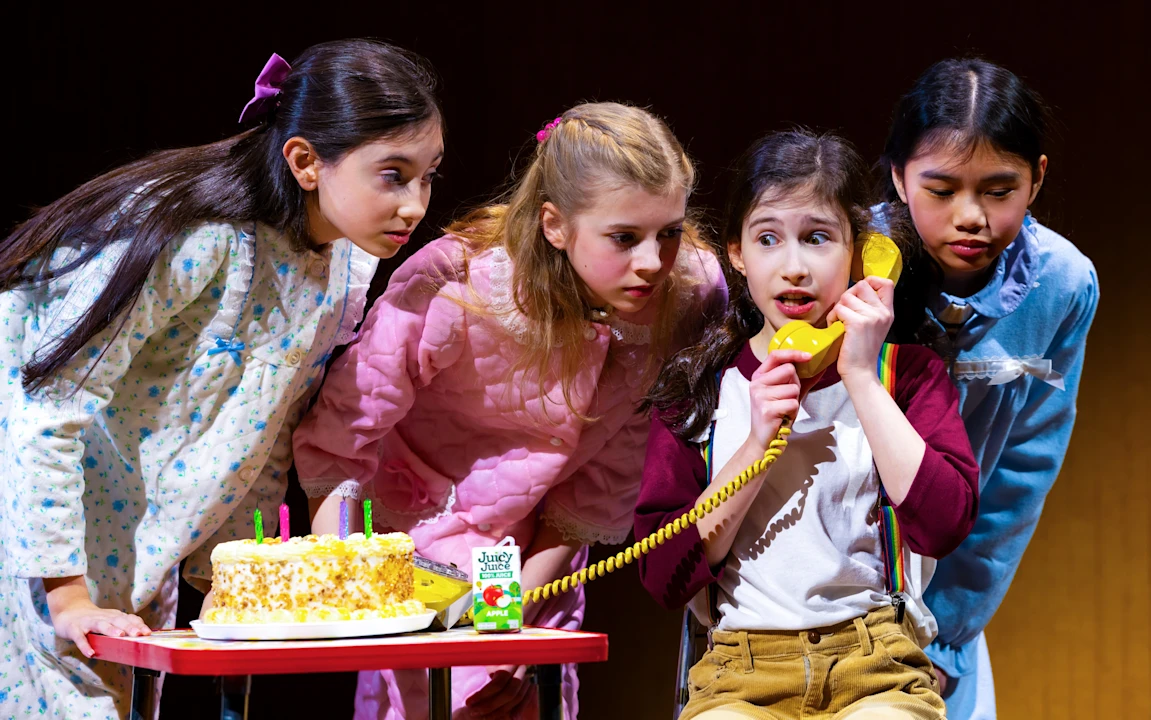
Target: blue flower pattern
[163,447]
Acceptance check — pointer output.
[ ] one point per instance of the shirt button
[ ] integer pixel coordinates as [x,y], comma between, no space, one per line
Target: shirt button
[813,637]
[484,527]
[590,333]
[294,357]
[317,268]
[721,413]
[557,442]
[248,473]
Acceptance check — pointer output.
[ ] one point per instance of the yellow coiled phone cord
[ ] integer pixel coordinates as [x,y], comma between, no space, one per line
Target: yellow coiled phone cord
[675,527]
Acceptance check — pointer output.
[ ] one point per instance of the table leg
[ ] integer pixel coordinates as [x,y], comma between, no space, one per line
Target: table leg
[234,691]
[439,693]
[143,694]
[550,681]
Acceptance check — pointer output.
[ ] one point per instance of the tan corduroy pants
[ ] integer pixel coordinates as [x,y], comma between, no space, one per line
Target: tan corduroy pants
[865,669]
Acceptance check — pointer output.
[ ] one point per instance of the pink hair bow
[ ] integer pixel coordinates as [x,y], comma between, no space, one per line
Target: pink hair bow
[267,88]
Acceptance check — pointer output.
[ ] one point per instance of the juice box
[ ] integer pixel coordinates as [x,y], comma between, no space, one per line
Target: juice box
[497,597]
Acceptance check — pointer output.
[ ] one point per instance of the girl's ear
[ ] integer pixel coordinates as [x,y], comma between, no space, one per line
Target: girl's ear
[735,256]
[897,180]
[553,226]
[303,162]
[1037,181]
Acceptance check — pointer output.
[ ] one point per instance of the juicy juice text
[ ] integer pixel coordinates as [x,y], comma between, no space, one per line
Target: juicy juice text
[497,598]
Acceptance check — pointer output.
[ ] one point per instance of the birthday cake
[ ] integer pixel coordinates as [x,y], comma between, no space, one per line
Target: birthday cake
[315,578]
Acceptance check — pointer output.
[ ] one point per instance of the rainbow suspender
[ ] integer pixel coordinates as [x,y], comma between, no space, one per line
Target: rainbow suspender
[889,536]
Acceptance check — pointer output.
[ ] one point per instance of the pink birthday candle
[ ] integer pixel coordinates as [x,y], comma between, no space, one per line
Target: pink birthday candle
[285,533]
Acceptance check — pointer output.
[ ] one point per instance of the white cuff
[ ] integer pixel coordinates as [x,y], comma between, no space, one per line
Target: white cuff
[323,487]
[572,528]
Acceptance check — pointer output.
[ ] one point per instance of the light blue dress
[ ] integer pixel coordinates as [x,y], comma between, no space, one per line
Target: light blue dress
[1020,352]
[157,441]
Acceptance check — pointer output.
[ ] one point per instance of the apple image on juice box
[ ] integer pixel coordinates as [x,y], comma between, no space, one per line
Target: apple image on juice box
[498,601]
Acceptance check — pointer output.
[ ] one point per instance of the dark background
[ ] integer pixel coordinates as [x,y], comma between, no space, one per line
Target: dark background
[89,88]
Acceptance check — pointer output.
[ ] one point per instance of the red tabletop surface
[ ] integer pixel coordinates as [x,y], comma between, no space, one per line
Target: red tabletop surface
[182,653]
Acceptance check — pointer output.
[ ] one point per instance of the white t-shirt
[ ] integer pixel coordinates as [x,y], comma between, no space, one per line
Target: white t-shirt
[808,552]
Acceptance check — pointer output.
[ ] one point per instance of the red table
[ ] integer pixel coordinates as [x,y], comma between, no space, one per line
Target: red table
[182,653]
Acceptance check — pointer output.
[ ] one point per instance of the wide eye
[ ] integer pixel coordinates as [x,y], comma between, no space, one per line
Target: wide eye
[767,239]
[818,238]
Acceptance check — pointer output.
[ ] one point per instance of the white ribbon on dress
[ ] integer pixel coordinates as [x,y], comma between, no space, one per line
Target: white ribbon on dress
[1002,371]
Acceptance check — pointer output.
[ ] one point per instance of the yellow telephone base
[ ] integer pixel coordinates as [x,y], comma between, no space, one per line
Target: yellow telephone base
[438,586]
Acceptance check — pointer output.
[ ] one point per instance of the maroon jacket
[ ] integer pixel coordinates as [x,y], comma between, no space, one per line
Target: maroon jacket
[935,517]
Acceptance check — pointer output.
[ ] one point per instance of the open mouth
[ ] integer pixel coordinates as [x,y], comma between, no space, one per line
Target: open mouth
[795,304]
[640,291]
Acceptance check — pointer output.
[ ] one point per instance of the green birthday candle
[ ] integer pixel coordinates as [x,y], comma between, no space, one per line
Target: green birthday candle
[367,518]
[259,520]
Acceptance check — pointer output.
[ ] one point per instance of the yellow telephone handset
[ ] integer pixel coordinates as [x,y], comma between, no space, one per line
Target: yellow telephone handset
[881,258]
[822,343]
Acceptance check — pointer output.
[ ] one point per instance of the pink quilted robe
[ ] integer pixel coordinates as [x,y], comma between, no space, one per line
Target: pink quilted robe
[421,415]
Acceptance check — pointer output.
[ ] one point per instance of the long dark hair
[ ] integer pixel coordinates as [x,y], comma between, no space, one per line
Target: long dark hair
[827,167]
[961,103]
[338,96]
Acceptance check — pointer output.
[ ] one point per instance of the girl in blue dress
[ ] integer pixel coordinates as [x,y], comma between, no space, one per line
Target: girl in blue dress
[1010,302]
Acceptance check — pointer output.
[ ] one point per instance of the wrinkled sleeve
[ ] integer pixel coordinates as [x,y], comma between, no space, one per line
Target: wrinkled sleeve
[46,428]
[674,475]
[971,583]
[415,330]
[941,506]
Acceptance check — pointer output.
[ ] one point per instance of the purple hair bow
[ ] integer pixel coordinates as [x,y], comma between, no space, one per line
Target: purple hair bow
[267,88]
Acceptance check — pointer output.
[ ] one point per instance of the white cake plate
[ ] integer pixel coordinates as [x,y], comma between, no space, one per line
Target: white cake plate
[313,630]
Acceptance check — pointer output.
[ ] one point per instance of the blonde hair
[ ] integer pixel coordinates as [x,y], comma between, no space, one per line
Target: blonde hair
[593,146]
